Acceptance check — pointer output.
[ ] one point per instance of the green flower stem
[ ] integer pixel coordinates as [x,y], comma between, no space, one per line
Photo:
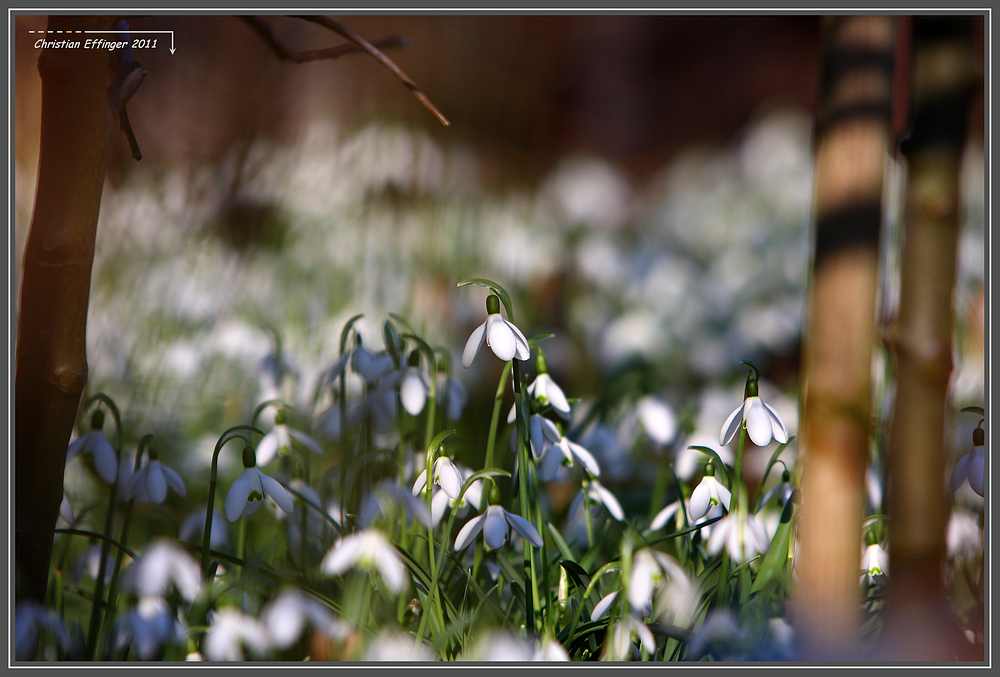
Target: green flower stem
[587,518]
[524,467]
[431,404]
[231,434]
[495,416]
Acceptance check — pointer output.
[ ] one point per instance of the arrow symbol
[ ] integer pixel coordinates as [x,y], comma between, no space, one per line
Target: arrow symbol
[172,49]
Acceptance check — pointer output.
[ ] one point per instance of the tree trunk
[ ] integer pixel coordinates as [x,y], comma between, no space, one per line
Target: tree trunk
[852,139]
[51,364]
[920,624]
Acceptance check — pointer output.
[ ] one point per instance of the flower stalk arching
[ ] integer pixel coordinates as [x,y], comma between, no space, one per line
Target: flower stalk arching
[230,434]
[94,626]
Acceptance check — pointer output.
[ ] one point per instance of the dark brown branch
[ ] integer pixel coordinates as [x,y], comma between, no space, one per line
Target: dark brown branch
[346,33]
[265,33]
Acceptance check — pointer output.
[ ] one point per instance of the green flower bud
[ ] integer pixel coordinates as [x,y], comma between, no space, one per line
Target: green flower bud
[540,363]
[249,457]
[786,477]
[280,418]
[709,469]
[414,359]
[492,304]
[751,388]
[978,437]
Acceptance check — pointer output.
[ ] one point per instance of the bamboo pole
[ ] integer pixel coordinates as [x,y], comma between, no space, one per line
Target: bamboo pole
[51,365]
[920,624]
[852,138]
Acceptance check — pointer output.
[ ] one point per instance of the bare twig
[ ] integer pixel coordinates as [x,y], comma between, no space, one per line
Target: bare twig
[305,56]
[349,35]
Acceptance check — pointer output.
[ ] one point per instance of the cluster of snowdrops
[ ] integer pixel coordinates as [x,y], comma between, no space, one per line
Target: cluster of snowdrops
[402,553]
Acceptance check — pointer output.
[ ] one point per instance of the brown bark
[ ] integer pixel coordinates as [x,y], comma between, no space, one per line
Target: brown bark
[51,365]
[851,144]
[920,624]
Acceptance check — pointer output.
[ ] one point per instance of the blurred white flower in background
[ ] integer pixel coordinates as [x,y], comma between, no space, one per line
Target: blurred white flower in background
[193,527]
[162,567]
[369,550]
[31,620]
[230,631]
[586,190]
[148,627]
[248,492]
[149,484]
[288,614]
[742,535]
[392,645]
[964,535]
[496,525]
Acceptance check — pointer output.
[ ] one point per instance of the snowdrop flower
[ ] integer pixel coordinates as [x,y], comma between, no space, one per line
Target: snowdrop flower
[710,492]
[370,366]
[290,612]
[97,445]
[280,438]
[543,434]
[782,491]
[194,525]
[504,339]
[248,492]
[679,596]
[496,524]
[964,537]
[550,650]
[741,534]
[603,606]
[147,627]
[546,391]
[66,513]
[620,647]
[971,466]
[396,646]
[600,495]
[30,619]
[719,626]
[503,647]
[761,420]
[661,519]
[472,497]
[657,419]
[329,422]
[413,386]
[89,564]
[574,452]
[388,494]
[874,563]
[150,482]
[367,549]
[229,632]
[650,568]
[454,396]
[446,476]
[163,565]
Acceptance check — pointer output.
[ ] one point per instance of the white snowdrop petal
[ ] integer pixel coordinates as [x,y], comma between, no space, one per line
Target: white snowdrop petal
[700,498]
[609,501]
[640,584]
[556,396]
[645,637]
[522,349]
[758,422]
[342,555]
[275,490]
[500,338]
[720,535]
[512,414]
[494,527]
[284,619]
[421,482]
[664,516]
[977,470]
[448,477]
[524,528]
[657,419]
[473,344]
[306,441]
[586,458]
[156,484]
[731,425]
[778,429]
[174,480]
[960,471]
[267,448]
[722,494]
[602,607]
[413,392]
[105,459]
[439,504]
[389,567]
[469,532]
[239,492]
[77,446]
[537,436]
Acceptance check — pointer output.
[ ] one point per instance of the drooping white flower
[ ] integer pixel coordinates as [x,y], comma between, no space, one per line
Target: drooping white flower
[446,475]
[550,650]
[742,536]
[600,495]
[543,434]
[396,646]
[619,645]
[761,420]
[473,498]
[502,336]
[193,527]
[89,563]
[964,537]
[971,467]
[30,620]
[148,627]
[149,483]
[664,516]
[874,562]
[370,366]
[496,524]
[248,492]
[709,492]
[230,631]
[547,391]
[161,567]
[367,549]
[386,495]
[650,568]
[413,390]
[280,438]
[287,615]
[657,419]
[502,647]
[97,445]
[679,594]
[573,452]
[604,605]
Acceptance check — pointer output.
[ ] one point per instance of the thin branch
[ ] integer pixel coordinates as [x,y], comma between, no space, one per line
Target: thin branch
[265,33]
[346,33]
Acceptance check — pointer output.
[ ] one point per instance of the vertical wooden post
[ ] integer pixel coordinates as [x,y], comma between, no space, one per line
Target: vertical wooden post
[920,624]
[852,140]
[51,365]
